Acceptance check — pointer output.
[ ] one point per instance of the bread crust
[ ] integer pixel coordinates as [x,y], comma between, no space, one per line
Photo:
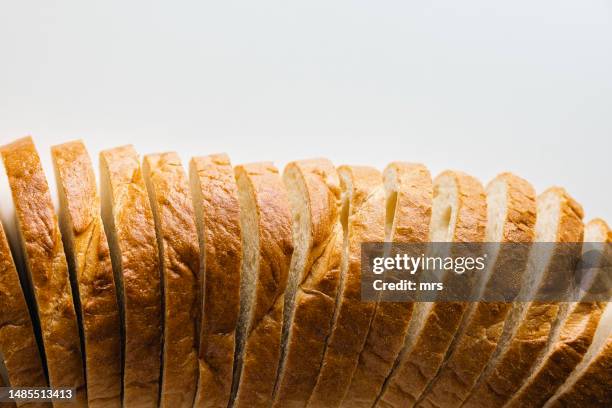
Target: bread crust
[180,258]
[390,323]
[365,223]
[484,325]
[569,349]
[215,196]
[317,287]
[18,347]
[496,387]
[46,266]
[89,260]
[262,346]
[420,363]
[592,388]
[131,233]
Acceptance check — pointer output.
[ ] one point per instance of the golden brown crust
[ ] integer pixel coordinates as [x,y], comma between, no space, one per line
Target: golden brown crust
[217,208]
[421,362]
[179,253]
[262,346]
[592,388]
[316,291]
[131,231]
[366,219]
[496,387]
[569,349]
[46,266]
[391,319]
[484,326]
[89,259]
[18,348]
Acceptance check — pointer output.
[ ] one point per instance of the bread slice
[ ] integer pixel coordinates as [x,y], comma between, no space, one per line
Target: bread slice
[267,248]
[458,215]
[511,217]
[363,220]
[177,239]
[589,383]
[531,325]
[20,362]
[314,276]
[90,265]
[215,198]
[570,346]
[130,229]
[409,193]
[46,268]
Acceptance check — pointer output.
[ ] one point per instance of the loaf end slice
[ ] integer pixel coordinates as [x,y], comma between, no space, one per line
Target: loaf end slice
[46,267]
[20,362]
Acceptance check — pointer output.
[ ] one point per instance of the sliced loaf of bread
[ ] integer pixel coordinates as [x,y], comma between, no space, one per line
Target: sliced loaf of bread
[511,217]
[409,192]
[217,210]
[20,362]
[177,239]
[363,220]
[46,268]
[458,216]
[130,228]
[90,264]
[314,276]
[574,339]
[267,247]
[531,325]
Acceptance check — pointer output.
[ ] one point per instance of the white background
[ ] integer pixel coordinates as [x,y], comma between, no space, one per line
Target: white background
[481,86]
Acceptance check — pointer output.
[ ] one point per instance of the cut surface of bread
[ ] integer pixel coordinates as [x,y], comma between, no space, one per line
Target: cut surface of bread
[89,261]
[363,220]
[458,215]
[409,192]
[217,210]
[20,362]
[589,383]
[314,193]
[267,247]
[570,346]
[531,325]
[177,238]
[130,228]
[511,217]
[46,267]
